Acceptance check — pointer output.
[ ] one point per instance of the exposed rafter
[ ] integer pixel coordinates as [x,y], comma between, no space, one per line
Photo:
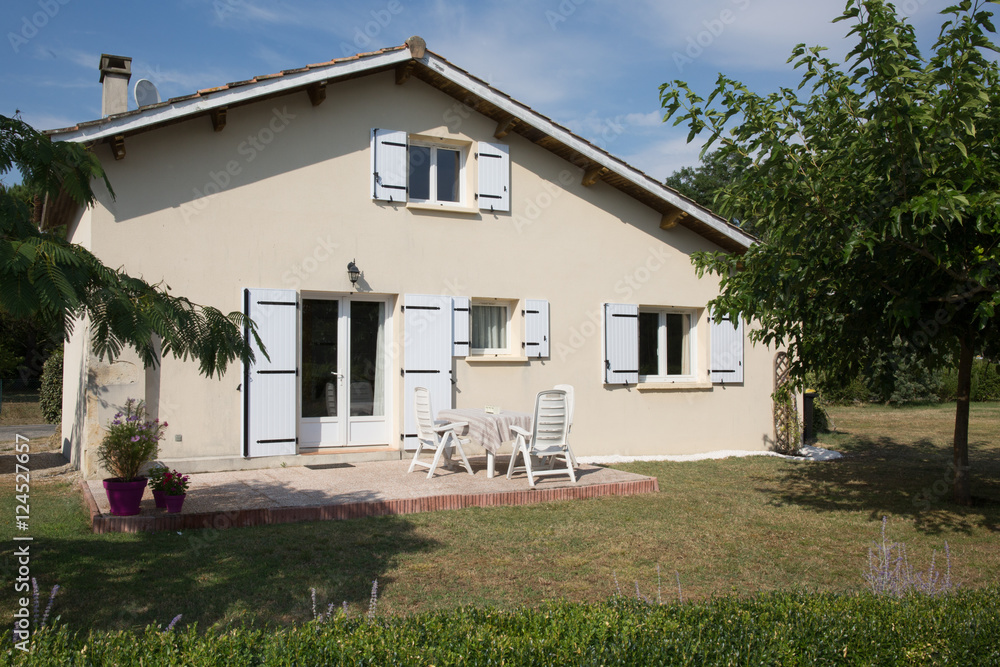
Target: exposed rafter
[671,219]
[504,126]
[317,93]
[219,118]
[403,73]
[592,175]
[117,144]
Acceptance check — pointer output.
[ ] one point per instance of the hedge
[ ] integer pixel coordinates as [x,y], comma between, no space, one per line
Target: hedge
[768,629]
[51,391]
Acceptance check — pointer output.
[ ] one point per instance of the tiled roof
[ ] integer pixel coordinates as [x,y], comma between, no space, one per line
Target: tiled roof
[207,92]
[454,81]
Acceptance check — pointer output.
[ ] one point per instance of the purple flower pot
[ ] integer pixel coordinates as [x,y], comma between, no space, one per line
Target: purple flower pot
[158,498]
[125,497]
[174,503]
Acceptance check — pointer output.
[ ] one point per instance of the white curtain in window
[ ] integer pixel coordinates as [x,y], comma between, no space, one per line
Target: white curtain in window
[489,327]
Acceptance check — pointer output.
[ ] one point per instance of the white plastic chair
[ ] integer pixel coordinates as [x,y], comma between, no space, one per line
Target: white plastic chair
[435,435]
[547,439]
[570,403]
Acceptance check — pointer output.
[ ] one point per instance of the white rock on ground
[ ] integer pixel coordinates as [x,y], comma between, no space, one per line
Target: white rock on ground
[809,453]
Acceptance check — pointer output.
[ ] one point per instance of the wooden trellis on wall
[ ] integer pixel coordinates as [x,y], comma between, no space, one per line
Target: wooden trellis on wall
[786,417]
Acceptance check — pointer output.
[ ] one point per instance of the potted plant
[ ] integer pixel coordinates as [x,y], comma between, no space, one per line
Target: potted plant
[175,486]
[155,475]
[130,443]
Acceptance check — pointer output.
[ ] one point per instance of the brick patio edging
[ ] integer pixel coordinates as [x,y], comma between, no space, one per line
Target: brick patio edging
[106,523]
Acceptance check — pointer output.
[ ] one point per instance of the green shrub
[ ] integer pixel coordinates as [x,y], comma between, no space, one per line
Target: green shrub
[985,382]
[837,391]
[50,394]
[767,629]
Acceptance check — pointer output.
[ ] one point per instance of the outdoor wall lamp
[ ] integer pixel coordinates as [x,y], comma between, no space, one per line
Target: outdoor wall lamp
[353,272]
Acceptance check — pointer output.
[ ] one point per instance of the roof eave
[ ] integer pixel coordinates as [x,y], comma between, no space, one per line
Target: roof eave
[182,108]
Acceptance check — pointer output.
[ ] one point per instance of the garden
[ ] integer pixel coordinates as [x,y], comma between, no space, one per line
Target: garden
[724,542]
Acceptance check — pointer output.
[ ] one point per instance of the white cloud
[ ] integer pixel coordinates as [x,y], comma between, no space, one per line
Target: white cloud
[662,158]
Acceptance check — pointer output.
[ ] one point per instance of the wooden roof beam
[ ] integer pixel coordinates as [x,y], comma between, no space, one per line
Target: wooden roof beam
[671,219]
[219,118]
[317,93]
[592,175]
[403,72]
[117,144]
[504,126]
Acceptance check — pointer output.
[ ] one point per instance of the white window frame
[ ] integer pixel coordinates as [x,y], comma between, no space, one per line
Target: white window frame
[463,152]
[661,345]
[480,351]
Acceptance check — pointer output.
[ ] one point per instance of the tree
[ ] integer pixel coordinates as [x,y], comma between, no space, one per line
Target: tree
[876,199]
[46,278]
[702,183]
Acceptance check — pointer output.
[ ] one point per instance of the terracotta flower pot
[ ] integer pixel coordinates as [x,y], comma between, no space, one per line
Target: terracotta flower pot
[158,498]
[125,497]
[174,503]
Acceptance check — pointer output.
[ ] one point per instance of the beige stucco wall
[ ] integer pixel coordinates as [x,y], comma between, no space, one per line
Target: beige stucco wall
[289,205]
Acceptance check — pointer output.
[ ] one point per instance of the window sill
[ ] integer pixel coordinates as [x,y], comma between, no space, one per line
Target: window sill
[674,386]
[496,359]
[448,208]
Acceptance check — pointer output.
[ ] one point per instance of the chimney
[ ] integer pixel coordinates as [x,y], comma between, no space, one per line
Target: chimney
[115,73]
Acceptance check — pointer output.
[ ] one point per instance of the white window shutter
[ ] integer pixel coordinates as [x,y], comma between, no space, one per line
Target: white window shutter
[494,177]
[536,328]
[727,351]
[460,326]
[427,350]
[621,343]
[269,385]
[388,149]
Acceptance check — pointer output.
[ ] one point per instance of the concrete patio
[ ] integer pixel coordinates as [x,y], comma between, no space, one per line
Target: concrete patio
[346,491]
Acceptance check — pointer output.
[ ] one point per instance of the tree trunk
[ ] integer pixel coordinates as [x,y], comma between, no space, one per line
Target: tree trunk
[963,495]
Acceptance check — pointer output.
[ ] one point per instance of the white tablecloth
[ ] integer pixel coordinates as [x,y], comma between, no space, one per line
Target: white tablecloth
[489,430]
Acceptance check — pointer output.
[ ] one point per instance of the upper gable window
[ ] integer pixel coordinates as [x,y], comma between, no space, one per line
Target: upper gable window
[436,173]
[455,175]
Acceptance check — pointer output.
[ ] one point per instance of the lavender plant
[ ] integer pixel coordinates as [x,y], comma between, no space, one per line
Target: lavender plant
[322,617]
[890,573]
[659,588]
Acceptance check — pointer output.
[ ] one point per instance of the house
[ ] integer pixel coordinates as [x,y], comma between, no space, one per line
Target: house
[495,254]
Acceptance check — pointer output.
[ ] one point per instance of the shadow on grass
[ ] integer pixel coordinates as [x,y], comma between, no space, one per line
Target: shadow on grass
[885,477]
[258,576]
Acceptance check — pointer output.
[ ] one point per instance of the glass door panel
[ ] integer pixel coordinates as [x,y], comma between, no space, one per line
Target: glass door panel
[320,375]
[367,352]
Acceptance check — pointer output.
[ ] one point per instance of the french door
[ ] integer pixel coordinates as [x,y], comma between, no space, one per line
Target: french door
[343,382]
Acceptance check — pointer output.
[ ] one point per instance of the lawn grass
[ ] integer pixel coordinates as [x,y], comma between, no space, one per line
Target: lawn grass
[736,525]
[19,408]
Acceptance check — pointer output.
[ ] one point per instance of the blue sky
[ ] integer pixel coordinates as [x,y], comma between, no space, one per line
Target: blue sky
[592,65]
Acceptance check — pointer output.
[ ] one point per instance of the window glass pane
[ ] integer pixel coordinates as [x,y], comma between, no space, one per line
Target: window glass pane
[447,174]
[319,357]
[649,328]
[489,327]
[677,344]
[420,172]
[367,386]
